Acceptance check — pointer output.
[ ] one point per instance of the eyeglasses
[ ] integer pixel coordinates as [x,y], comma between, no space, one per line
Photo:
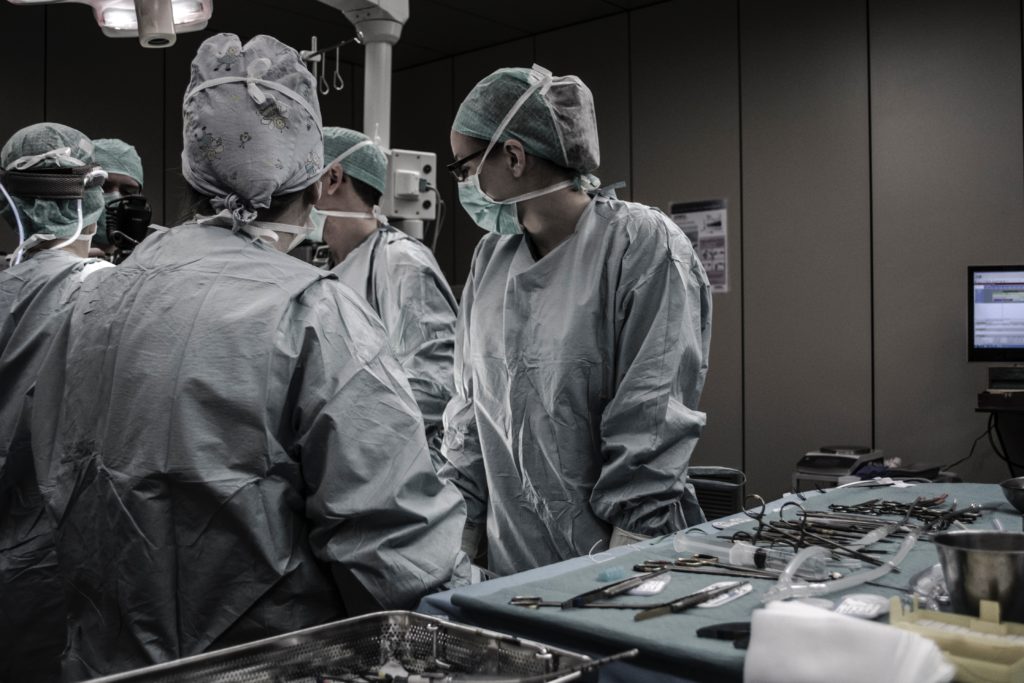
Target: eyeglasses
[458,167]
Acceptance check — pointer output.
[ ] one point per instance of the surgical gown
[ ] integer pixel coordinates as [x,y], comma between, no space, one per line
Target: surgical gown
[577,381]
[230,451]
[34,298]
[402,282]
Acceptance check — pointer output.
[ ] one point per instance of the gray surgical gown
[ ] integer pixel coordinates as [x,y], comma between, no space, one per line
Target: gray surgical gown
[402,282]
[34,298]
[577,381]
[230,451]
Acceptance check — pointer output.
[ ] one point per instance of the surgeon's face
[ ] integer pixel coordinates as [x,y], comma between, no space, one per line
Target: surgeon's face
[121,184]
[468,149]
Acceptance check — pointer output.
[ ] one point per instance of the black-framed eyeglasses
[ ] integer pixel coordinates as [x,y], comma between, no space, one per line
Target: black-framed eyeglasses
[458,167]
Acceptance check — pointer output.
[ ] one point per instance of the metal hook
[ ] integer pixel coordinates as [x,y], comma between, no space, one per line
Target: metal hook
[339,82]
[325,87]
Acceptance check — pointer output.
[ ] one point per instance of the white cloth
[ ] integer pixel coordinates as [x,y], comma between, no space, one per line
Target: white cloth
[795,643]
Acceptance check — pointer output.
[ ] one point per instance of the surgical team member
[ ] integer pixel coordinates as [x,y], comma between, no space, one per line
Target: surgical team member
[123,165]
[582,342]
[228,442]
[34,299]
[397,275]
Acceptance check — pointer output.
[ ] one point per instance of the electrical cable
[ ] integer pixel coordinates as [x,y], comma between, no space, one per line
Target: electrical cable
[1000,448]
[987,432]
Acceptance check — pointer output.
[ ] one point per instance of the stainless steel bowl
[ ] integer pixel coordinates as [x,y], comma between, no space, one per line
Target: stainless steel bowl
[984,565]
[1013,489]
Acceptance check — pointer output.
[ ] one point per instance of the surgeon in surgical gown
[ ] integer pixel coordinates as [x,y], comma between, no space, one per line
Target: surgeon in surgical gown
[398,276]
[228,444]
[34,299]
[582,342]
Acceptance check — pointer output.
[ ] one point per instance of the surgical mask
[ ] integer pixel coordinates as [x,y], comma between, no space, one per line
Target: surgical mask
[318,218]
[502,216]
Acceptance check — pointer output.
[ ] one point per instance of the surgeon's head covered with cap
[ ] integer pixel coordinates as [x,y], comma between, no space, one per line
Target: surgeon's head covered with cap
[358,154]
[553,119]
[124,178]
[252,129]
[38,148]
[556,121]
[354,179]
[118,158]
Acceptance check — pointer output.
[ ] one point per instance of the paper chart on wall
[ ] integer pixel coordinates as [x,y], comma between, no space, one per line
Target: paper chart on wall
[705,224]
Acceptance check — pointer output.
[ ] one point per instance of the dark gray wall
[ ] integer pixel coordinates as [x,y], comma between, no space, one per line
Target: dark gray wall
[869,150]
[806,231]
[947,173]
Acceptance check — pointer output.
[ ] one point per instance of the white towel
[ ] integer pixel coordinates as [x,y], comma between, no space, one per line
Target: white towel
[795,643]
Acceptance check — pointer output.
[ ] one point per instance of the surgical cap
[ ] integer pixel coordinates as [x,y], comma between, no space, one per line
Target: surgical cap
[57,217]
[117,156]
[556,122]
[368,163]
[252,124]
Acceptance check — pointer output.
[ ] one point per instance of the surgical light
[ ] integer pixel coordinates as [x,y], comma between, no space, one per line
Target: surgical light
[160,21]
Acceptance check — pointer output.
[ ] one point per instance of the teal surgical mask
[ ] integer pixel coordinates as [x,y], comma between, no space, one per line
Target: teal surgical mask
[318,217]
[316,225]
[502,216]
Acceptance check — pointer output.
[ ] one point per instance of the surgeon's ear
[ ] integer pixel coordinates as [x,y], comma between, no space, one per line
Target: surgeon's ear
[332,179]
[515,157]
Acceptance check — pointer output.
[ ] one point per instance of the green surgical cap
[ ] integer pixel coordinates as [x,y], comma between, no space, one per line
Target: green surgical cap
[556,122]
[117,156]
[57,217]
[368,163]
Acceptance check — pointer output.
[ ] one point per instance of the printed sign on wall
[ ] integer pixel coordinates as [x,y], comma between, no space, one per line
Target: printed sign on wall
[705,224]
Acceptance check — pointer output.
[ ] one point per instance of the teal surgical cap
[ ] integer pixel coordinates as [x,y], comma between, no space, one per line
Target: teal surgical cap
[50,145]
[367,163]
[556,121]
[117,156]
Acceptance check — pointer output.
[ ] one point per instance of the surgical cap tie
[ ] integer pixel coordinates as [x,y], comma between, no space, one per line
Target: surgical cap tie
[237,207]
[257,95]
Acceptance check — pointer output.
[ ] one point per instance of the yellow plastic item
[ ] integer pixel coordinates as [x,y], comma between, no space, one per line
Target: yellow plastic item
[982,649]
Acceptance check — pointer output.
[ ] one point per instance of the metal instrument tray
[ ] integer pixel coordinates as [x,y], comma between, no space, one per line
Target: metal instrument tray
[369,648]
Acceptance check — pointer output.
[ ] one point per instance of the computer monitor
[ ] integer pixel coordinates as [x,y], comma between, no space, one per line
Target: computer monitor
[995,314]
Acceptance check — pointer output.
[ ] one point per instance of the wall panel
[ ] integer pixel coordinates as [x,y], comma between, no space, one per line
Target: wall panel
[806,232]
[947,169]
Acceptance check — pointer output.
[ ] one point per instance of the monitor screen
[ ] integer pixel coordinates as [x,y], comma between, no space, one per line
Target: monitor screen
[995,317]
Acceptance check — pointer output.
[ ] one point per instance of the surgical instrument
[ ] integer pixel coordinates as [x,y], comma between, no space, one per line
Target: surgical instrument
[534,601]
[686,602]
[710,569]
[612,590]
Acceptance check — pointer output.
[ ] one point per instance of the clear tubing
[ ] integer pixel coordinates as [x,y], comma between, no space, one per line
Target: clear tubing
[746,555]
[786,588]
